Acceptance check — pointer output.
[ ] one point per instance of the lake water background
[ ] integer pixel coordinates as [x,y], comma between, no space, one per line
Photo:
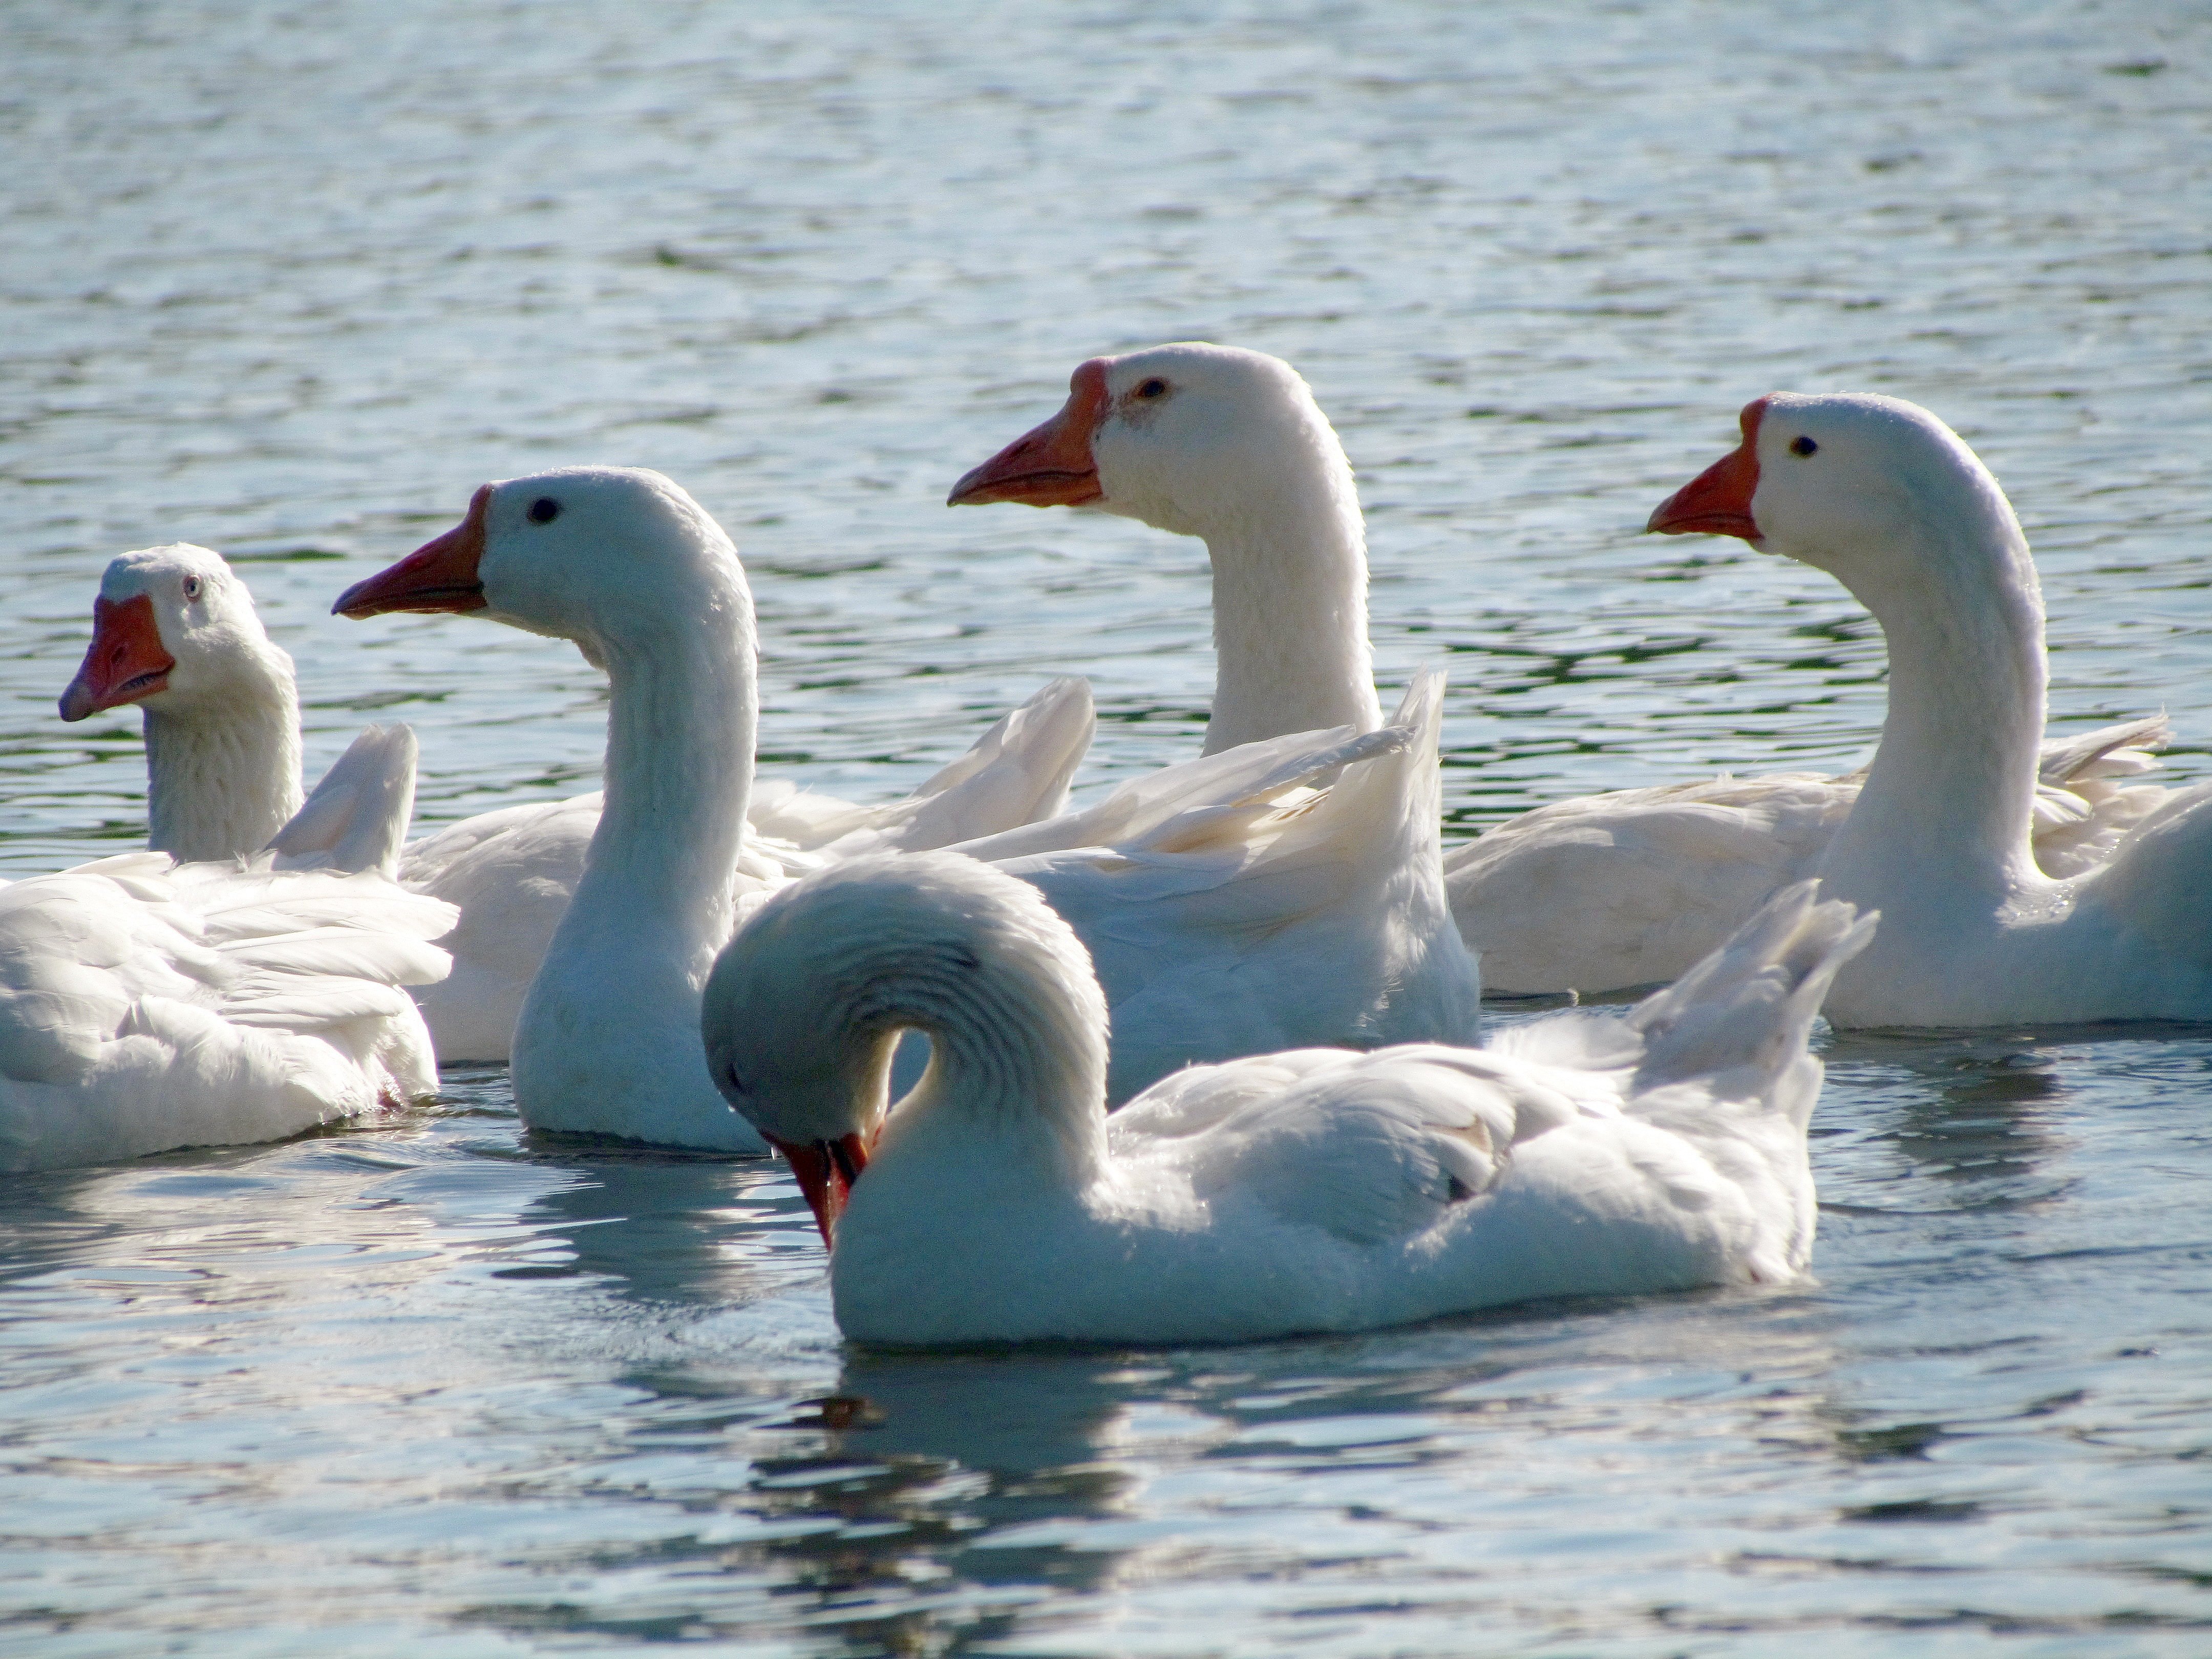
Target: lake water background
[290,282]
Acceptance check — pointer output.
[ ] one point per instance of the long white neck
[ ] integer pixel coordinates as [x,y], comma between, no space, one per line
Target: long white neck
[1016,1078]
[1290,610]
[683,713]
[1947,803]
[222,772]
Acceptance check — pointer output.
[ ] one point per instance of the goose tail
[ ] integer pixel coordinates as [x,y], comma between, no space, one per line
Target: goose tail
[357,818]
[1737,1021]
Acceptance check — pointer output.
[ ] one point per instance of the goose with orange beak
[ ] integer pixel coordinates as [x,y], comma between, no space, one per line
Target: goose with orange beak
[176,634]
[1232,906]
[219,997]
[1311,1190]
[1883,496]
[514,872]
[125,662]
[1600,892]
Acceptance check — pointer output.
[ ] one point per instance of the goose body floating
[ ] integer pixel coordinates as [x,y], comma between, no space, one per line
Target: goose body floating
[1312,1190]
[147,1005]
[1595,893]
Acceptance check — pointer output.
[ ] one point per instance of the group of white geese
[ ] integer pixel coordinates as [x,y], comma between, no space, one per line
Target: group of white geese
[1202,1058]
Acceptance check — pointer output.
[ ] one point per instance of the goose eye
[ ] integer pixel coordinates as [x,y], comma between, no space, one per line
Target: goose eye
[1154,387]
[191,588]
[544,510]
[1802,446]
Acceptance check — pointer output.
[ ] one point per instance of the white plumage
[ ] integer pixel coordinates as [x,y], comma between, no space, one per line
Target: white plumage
[146,1004]
[1305,1191]
[1238,907]
[1595,893]
[175,632]
[1230,909]
[1889,500]
[1629,887]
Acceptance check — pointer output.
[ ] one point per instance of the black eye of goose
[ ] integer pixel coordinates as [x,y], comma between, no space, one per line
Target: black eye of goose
[544,510]
[1801,445]
[1155,387]
[191,588]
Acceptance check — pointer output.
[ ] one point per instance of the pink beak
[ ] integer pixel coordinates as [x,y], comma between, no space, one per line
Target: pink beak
[1053,465]
[439,575]
[826,1170]
[1717,501]
[124,663]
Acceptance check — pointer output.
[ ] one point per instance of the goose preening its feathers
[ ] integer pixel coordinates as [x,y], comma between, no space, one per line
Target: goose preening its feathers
[1889,500]
[175,632]
[1236,905]
[1314,1190]
[1592,894]
[147,1005]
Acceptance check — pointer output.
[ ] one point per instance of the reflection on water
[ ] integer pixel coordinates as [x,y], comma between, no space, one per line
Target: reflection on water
[1979,1108]
[291,283]
[590,1391]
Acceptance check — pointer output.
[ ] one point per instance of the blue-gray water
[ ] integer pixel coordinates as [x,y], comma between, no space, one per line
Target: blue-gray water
[291,282]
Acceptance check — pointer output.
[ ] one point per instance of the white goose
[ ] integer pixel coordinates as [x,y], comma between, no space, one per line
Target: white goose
[1230,877]
[1309,1191]
[175,631]
[1886,498]
[1595,893]
[147,1005]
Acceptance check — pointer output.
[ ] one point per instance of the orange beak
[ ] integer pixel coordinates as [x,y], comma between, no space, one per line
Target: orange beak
[1717,501]
[1053,465]
[124,662]
[439,575]
[826,1172]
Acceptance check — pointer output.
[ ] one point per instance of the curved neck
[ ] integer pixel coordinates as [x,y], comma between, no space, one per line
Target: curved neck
[682,717]
[1289,611]
[223,774]
[1951,793]
[1016,1077]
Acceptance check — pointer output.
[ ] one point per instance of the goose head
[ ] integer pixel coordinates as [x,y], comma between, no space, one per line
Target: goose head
[798,1039]
[175,629]
[599,555]
[804,1008]
[1873,489]
[1185,437]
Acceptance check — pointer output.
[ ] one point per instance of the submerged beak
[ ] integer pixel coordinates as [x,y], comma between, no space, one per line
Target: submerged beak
[1717,501]
[439,575]
[124,663]
[1053,465]
[826,1172]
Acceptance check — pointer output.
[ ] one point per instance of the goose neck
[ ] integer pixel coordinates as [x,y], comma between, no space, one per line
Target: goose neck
[1951,792]
[682,721]
[1290,613]
[1016,1077]
[223,774]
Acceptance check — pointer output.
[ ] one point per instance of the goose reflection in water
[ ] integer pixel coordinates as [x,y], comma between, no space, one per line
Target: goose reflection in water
[1022,1478]
[1980,1109]
[668,1227]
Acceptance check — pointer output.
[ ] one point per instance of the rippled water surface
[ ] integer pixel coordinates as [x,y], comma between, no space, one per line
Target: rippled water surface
[290,282]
